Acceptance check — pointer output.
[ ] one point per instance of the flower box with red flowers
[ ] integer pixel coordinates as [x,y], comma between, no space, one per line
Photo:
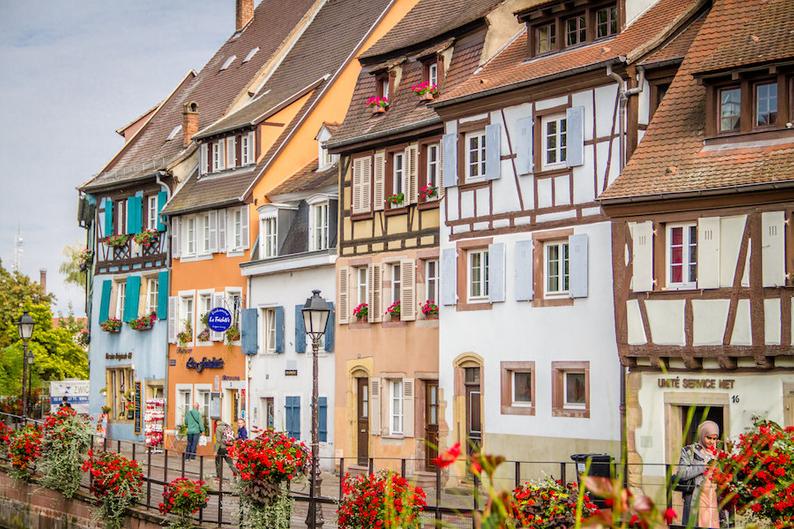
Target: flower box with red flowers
[428,192]
[429,310]
[384,500]
[395,199]
[144,323]
[111,325]
[183,497]
[393,310]
[425,90]
[116,241]
[378,105]
[361,311]
[147,238]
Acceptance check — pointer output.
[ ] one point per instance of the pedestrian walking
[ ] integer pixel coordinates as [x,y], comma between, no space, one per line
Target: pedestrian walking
[701,507]
[242,432]
[224,437]
[195,427]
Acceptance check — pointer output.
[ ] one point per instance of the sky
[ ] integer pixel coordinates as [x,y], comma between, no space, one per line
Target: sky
[71,73]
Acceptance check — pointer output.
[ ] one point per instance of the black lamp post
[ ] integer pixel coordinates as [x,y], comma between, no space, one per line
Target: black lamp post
[25,326]
[315,320]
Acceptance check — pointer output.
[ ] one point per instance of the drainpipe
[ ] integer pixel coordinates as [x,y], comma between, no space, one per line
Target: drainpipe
[166,400]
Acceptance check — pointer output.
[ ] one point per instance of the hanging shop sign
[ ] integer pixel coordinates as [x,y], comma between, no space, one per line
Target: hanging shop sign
[204,363]
[219,319]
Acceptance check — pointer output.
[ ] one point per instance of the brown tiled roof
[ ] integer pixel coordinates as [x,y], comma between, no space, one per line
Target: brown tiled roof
[768,37]
[671,159]
[406,110]
[332,37]
[212,89]
[308,179]
[223,189]
[675,49]
[427,20]
[510,69]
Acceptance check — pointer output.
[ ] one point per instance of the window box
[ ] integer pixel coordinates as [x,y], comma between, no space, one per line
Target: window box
[147,238]
[425,90]
[144,323]
[395,199]
[394,310]
[111,325]
[232,334]
[428,192]
[429,310]
[361,311]
[117,241]
[185,336]
[379,105]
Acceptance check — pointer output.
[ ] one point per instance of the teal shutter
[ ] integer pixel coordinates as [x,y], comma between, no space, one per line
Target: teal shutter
[134,215]
[293,415]
[248,331]
[108,217]
[329,330]
[300,330]
[162,295]
[323,426]
[279,329]
[131,298]
[162,196]
[104,302]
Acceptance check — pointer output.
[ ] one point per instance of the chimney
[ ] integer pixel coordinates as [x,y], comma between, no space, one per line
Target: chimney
[190,122]
[244,13]
[43,279]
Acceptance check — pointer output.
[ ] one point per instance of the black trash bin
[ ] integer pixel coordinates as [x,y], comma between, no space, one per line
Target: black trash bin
[600,466]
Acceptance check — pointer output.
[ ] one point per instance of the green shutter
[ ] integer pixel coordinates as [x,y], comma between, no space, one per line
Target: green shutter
[104,302]
[162,196]
[162,295]
[134,215]
[131,298]
[108,217]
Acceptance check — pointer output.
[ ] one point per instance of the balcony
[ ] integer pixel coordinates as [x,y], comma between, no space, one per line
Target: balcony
[131,255]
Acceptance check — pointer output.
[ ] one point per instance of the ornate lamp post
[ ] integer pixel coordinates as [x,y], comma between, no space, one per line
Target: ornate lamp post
[315,320]
[25,326]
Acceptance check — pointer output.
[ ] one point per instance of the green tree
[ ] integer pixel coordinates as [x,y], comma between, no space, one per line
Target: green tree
[71,267]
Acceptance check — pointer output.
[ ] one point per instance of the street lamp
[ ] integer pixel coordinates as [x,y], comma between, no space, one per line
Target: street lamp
[315,320]
[25,326]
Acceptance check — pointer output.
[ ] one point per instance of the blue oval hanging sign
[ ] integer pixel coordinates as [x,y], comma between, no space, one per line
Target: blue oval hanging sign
[219,319]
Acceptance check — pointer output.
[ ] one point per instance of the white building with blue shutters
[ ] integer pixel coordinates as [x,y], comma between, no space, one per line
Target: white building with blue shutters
[295,254]
[528,363]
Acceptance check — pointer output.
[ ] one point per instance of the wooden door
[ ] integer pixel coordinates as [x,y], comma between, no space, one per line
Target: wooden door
[473,409]
[431,423]
[362,406]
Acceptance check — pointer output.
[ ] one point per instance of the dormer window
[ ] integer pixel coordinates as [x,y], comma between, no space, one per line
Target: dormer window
[765,104]
[432,73]
[383,86]
[575,31]
[730,109]
[546,38]
[606,22]
[749,104]
[550,29]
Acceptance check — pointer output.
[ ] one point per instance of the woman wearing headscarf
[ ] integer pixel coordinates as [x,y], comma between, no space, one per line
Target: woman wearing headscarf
[701,507]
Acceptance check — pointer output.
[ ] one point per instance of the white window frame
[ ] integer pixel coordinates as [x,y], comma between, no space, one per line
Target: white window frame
[564,257]
[245,147]
[514,401]
[183,405]
[237,228]
[205,234]
[231,293]
[319,220]
[560,151]
[396,281]
[151,219]
[187,311]
[231,152]
[686,259]
[431,280]
[121,298]
[152,290]
[432,73]
[204,296]
[396,407]
[217,156]
[433,166]
[268,330]
[573,405]
[482,273]
[398,176]
[361,272]
[190,236]
[204,390]
[268,234]
[479,164]
[384,87]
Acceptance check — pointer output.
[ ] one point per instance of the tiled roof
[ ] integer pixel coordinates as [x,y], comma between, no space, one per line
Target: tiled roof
[427,20]
[406,109]
[671,159]
[223,189]
[212,89]
[308,179]
[341,23]
[676,48]
[510,69]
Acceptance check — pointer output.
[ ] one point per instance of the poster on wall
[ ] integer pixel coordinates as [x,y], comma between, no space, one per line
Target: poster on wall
[137,407]
[75,391]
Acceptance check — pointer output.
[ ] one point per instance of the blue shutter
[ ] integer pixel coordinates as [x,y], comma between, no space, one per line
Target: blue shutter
[323,426]
[134,215]
[524,146]
[162,295]
[575,136]
[577,256]
[523,271]
[300,330]
[293,416]
[131,298]
[108,217]
[449,283]
[248,331]
[162,196]
[496,272]
[449,144]
[493,151]
[329,330]
[104,301]
[279,329]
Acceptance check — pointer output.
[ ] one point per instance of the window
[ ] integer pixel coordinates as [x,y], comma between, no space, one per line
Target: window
[395,283]
[432,165]
[570,389]
[545,38]
[270,412]
[203,398]
[396,407]
[398,173]
[176,130]
[121,217]
[518,388]
[250,54]
[234,302]
[432,73]
[151,295]
[383,86]
[555,142]
[574,389]
[682,256]
[238,228]
[431,279]
[245,148]
[269,233]
[231,152]
[190,238]
[557,271]
[319,226]
[121,299]
[217,156]
[204,307]
[151,212]
[478,275]
[269,334]
[120,387]
[228,62]
[575,31]
[184,404]
[186,316]
[475,155]
[765,104]
[730,109]
[205,233]
[606,21]
[361,285]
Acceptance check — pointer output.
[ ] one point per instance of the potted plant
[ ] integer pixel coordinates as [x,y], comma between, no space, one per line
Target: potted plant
[384,500]
[233,334]
[147,238]
[66,438]
[182,498]
[361,311]
[186,335]
[429,310]
[395,199]
[116,241]
[111,325]
[116,483]
[425,90]
[394,310]
[379,105]
[144,323]
[204,335]
[84,259]
[427,192]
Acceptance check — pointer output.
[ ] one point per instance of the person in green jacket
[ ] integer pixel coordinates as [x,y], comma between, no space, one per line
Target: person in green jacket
[195,427]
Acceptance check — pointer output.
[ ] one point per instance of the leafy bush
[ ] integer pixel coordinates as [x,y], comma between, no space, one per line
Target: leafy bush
[65,441]
[117,484]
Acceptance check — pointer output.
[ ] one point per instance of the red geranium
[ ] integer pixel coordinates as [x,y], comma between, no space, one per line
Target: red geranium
[384,500]
[273,457]
[116,482]
[181,498]
[447,458]
[24,450]
[549,504]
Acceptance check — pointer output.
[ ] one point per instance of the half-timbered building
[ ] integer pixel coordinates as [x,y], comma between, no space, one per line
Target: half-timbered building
[527,359]
[702,254]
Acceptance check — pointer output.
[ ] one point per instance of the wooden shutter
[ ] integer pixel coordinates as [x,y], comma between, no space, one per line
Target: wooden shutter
[238,148]
[293,416]
[279,329]
[379,181]
[366,184]
[493,151]
[578,265]
[575,136]
[496,272]
[410,176]
[642,256]
[218,299]
[408,407]
[374,312]
[222,230]
[173,316]
[162,198]
[374,405]
[244,227]
[525,146]
[342,290]
[162,295]
[330,330]
[300,330]
[322,426]
[213,221]
[203,159]
[131,297]
[251,147]
[222,154]
[249,330]
[708,252]
[449,285]
[108,217]
[440,179]
[355,189]
[407,290]
[524,287]
[134,213]
[449,144]
[773,248]
[104,300]
[176,238]
[231,150]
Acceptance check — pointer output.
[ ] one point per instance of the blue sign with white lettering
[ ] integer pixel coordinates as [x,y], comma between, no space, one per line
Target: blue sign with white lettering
[219,319]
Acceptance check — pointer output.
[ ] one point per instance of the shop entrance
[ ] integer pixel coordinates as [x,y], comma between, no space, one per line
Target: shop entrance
[699,414]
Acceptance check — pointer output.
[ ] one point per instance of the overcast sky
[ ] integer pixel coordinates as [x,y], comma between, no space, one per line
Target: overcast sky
[71,73]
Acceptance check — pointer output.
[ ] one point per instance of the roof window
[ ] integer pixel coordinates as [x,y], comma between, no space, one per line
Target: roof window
[176,130]
[228,62]
[250,55]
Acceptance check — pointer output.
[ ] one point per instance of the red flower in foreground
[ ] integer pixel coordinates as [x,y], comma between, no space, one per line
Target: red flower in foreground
[670,515]
[447,458]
